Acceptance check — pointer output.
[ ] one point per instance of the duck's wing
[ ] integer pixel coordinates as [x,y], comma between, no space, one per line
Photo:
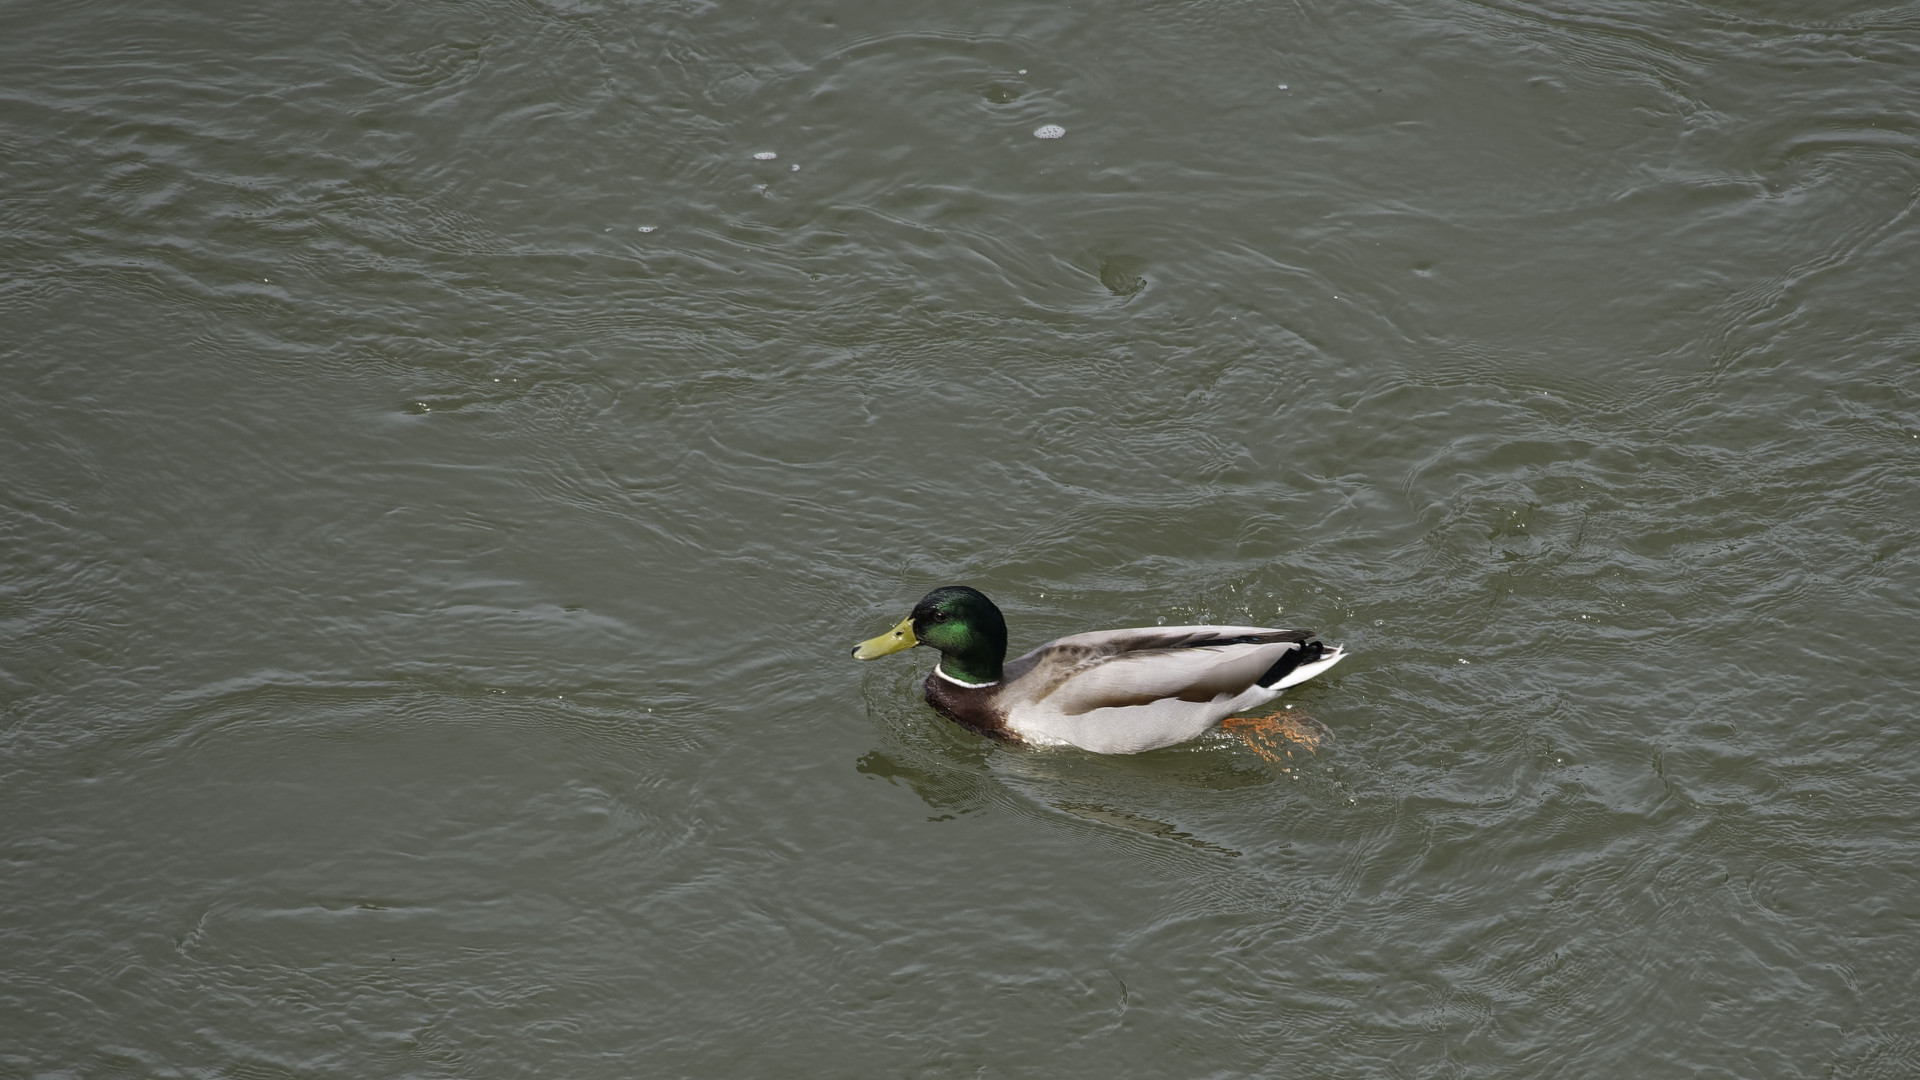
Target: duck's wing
[1119,691]
[1113,668]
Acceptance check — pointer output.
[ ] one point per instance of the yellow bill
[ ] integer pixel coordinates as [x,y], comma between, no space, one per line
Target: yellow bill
[898,639]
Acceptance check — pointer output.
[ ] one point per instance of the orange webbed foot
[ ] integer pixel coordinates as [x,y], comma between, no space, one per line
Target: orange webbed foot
[1268,735]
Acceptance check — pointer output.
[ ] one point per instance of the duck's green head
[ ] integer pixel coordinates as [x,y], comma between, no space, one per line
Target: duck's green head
[962,623]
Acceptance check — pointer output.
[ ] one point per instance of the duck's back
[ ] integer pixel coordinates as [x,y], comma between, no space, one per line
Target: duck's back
[1125,691]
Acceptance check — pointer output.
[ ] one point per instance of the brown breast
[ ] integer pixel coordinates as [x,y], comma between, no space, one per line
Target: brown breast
[972,708]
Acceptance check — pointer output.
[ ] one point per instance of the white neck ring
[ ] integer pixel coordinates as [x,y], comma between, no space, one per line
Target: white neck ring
[963,682]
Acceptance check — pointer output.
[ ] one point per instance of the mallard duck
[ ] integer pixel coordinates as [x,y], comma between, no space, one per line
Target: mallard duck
[1110,691]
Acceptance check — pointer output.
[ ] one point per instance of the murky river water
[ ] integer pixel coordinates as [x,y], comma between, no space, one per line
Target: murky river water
[448,449]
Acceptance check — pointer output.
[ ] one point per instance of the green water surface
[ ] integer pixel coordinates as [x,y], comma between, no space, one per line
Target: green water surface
[448,448]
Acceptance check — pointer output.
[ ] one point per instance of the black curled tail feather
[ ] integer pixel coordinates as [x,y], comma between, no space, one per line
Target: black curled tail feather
[1307,653]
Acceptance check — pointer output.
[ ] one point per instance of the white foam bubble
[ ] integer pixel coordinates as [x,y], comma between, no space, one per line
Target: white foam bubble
[1049,131]
[765,155]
